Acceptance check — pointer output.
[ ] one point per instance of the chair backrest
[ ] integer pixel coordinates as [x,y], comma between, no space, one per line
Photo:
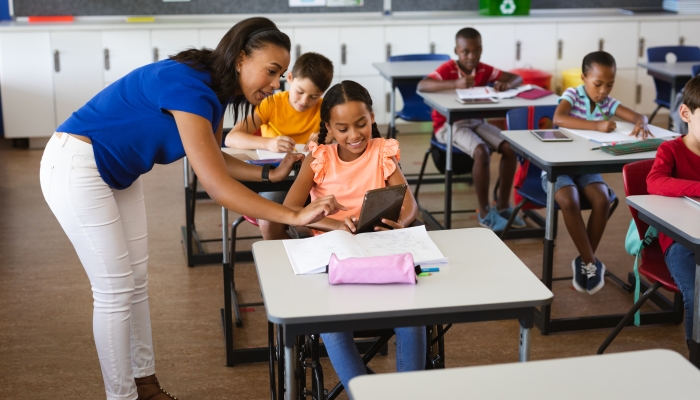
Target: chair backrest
[634,176]
[696,70]
[420,57]
[658,54]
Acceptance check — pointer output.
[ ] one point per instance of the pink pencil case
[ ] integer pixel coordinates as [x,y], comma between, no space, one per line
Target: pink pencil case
[534,94]
[396,268]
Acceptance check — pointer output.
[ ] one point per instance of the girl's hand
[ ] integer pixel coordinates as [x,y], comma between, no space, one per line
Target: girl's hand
[643,129]
[392,224]
[605,126]
[285,167]
[281,144]
[347,225]
[317,210]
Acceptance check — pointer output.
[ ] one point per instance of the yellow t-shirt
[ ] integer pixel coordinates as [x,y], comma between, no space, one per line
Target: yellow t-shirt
[279,118]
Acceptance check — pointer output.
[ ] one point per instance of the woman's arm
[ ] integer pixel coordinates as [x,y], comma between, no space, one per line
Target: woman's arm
[409,209]
[641,124]
[564,120]
[208,162]
[299,192]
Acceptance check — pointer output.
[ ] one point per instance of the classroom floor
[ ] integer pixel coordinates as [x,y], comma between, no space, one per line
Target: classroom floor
[46,343]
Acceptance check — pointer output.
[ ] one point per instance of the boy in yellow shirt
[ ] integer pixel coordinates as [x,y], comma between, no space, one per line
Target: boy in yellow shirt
[287,118]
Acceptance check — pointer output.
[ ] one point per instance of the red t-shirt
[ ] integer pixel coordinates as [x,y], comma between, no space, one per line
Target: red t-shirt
[676,173]
[449,71]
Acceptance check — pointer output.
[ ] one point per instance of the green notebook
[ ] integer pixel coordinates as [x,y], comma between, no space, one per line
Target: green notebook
[635,147]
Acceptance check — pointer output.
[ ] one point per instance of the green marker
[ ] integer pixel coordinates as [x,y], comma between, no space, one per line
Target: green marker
[424,274]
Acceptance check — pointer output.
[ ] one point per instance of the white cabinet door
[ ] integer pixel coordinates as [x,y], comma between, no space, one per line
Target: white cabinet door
[538,46]
[168,42]
[362,47]
[647,89]
[210,38]
[125,51]
[625,87]
[77,73]
[499,45]
[621,39]
[690,32]
[656,33]
[408,40]
[375,87]
[26,84]
[574,41]
[325,41]
[442,39]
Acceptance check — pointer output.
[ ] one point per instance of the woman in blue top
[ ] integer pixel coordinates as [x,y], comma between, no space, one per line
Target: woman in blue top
[91,168]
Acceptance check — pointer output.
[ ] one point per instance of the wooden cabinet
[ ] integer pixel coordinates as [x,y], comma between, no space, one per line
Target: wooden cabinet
[690,32]
[77,70]
[359,48]
[124,51]
[168,42]
[574,41]
[624,89]
[406,40]
[27,85]
[656,33]
[442,39]
[620,39]
[538,46]
[499,45]
[324,41]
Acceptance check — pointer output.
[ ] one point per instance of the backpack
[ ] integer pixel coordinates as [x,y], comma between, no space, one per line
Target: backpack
[679,125]
[634,246]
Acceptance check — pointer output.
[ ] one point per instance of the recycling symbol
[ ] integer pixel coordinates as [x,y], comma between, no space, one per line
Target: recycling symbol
[508,7]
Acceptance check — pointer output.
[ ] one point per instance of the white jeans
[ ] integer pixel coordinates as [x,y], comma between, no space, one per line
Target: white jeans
[108,230]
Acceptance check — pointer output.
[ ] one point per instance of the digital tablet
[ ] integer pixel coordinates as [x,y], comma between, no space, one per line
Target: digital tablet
[551,135]
[486,100]
[380,203]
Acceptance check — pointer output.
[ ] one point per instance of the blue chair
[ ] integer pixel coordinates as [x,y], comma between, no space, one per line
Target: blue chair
[696,70]
[414,109]
[530,189]
[663,89]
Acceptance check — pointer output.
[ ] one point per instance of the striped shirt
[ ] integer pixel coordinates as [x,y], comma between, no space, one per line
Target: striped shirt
[581,105]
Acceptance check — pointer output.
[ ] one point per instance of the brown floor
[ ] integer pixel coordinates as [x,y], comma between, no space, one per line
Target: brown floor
[46,344]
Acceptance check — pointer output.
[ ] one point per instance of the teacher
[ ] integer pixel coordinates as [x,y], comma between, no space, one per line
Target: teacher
[91,167]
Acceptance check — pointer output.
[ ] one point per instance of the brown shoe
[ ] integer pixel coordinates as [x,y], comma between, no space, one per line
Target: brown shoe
[148,388]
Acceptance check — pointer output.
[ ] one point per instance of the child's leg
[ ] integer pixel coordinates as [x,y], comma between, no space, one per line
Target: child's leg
[567,197]
[344,356]
[597,195]
[681,264]
[491,135]
[273,230]
[411,347]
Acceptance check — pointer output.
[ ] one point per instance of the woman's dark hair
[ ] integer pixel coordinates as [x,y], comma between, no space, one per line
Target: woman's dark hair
[248,36]
[342,93]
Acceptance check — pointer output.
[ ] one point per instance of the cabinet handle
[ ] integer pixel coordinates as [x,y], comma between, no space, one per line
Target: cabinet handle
[641,47]
[297,50]
[106,59]
[638,95]
[681,40]
[343,54]
[432,47]
[518,47]
[56,61]
[388,102]
[155,54]
[388,51]
[601,44]
[560,49]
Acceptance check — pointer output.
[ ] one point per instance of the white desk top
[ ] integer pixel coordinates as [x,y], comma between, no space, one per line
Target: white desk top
[447,101]
[406,69]
[483,275]
[575,153]
[678,214]
[679,69]
[639,375]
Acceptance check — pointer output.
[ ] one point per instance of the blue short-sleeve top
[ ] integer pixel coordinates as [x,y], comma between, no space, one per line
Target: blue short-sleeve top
[128,125]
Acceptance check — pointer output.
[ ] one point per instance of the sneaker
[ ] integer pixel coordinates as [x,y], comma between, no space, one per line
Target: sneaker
[580,280]
[517,221]
[596,276]
[492,220]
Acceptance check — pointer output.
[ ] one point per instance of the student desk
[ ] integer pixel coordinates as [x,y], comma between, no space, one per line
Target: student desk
[403,72]
[640,375]
[570,158]
[679,219]
[677,74]
[445,102]
[484,281]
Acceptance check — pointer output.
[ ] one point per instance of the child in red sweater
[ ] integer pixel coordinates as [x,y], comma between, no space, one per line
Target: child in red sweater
[676,173]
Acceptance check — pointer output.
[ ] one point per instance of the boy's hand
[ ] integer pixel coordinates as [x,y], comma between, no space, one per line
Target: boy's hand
[285,167]
[605,126]
[464,82]
[642,129]
[347,225]
[392,224]
[281,144]
[501,86]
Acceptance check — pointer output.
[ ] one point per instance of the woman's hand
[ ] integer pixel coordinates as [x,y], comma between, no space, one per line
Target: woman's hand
[281,144]
[282,171]
[605,126]
[392,225]
[317,210]
[347,225]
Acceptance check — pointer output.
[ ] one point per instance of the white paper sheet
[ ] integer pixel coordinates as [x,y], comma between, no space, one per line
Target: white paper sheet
[621,133]
[485,92]
[311,255]
[409,240]
[268,155]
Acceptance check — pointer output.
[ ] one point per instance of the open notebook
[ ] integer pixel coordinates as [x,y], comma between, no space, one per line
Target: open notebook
[621,133]
[311,255]
[485,92]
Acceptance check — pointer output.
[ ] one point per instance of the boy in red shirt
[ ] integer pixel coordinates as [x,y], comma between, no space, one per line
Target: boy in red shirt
[474,136]
[676,173]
